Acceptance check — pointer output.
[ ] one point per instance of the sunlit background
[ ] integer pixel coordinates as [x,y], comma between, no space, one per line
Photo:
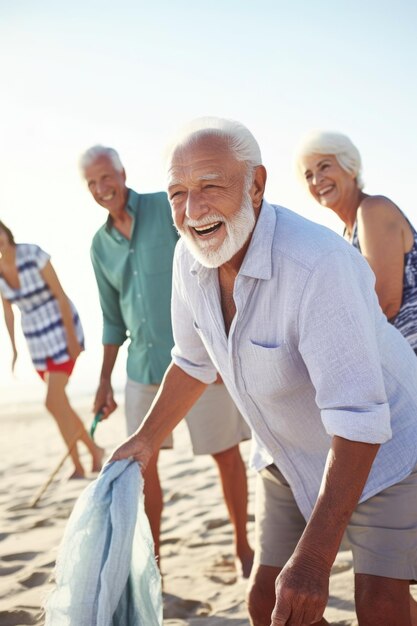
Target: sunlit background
[128,73]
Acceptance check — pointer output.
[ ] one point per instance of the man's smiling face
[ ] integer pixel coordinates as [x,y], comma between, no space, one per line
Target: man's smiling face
[106,184]
[211,206]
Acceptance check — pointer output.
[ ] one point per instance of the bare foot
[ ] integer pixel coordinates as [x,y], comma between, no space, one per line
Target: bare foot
[98,459]
[76,474]
[246,563]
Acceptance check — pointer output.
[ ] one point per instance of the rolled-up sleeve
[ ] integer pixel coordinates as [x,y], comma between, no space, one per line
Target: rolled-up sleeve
[114,328]
[189,352]
[338,325]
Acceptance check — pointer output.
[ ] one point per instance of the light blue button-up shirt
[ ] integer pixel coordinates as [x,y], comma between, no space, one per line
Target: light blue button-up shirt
[309,353]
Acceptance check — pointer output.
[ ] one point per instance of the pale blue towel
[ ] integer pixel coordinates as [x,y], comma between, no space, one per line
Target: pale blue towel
[106,573]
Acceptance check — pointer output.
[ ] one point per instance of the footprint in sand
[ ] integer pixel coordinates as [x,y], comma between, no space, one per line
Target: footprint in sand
[177,608]
[17,518]
[48,565]
[177,495]
[183,474]
[206,486]
[18,617]
[36,579]
[7,571]
[170,541]
[223,571]
[216,523]
[21,506]
[199,544]
[20,556]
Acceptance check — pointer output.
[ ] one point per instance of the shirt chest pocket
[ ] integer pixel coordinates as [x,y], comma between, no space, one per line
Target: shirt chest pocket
[272,371]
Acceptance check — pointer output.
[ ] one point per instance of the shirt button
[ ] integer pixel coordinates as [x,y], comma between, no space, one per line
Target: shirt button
[150,345]
[139,295]
[131,250]
[135,273]
[143,320]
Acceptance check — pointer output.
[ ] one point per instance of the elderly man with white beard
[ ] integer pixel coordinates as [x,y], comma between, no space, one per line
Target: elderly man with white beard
[286,311]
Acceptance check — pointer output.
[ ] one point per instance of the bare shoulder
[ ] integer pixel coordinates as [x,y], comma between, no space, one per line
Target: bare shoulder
[379,210]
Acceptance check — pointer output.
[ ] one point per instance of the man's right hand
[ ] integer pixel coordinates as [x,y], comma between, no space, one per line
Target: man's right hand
[137,447]
[104,401]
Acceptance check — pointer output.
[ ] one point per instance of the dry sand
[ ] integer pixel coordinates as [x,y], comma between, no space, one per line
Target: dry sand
[202,586]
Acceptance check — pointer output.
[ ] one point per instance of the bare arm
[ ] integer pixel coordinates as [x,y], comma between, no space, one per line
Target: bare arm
[302,586]
[177,394]
[9,319]
[382,231]
[49,275]
[104,400]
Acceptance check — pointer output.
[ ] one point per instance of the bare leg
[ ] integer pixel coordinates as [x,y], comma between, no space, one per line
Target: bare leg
[382,601]
[153,502]
[235,490]
[261,596]
[413,611]
[69,422]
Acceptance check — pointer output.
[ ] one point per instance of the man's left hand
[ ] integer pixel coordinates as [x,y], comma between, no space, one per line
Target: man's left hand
[302,591]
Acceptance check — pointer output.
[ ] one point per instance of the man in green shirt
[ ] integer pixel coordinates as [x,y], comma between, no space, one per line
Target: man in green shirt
[132,258]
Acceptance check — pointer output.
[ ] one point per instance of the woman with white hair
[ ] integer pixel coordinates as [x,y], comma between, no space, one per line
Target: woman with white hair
[330,164]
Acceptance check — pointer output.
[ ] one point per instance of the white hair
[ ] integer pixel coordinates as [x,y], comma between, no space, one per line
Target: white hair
[239,139]
[95,152]
[336,144]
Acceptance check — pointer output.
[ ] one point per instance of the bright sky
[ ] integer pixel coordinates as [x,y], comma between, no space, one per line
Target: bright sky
[127,74]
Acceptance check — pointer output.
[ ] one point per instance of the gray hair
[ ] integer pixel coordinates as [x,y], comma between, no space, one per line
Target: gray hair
[95,152]
[336,144]
[240,140]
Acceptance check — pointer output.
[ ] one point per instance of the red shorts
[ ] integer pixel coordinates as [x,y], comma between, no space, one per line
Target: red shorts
[65,367]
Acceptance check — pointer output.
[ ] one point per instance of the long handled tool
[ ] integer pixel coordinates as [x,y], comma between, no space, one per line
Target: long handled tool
[46,484]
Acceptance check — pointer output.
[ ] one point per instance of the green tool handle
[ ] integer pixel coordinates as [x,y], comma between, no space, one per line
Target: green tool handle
[98,417]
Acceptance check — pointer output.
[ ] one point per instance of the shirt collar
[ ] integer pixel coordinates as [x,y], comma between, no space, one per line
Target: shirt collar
[258,259]
[131,208]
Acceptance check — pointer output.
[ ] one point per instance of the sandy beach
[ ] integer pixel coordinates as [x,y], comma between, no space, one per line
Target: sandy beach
[201,584]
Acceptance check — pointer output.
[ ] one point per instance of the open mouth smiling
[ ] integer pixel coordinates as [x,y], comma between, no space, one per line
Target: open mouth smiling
[109,197]
[202,231]
[326,190]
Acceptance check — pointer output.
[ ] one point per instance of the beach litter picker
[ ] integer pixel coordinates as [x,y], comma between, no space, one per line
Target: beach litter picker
[96,420]
[55,471]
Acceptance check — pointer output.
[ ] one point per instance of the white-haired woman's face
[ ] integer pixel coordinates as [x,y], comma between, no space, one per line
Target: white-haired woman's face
[327,181]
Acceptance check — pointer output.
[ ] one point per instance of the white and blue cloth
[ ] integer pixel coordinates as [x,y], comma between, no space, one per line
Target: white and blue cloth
[106,573]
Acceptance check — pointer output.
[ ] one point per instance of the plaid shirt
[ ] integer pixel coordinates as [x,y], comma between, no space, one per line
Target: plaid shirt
[41,317]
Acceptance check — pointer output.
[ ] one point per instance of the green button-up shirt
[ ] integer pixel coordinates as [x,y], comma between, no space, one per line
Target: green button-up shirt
[134,282]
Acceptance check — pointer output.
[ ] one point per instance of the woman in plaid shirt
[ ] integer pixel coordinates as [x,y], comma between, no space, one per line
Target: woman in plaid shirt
[52,330]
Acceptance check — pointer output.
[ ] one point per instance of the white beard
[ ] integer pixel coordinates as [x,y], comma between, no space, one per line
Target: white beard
[239,227]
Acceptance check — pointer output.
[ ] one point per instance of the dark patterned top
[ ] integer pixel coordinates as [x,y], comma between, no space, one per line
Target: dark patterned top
[406,319]
[41,318]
